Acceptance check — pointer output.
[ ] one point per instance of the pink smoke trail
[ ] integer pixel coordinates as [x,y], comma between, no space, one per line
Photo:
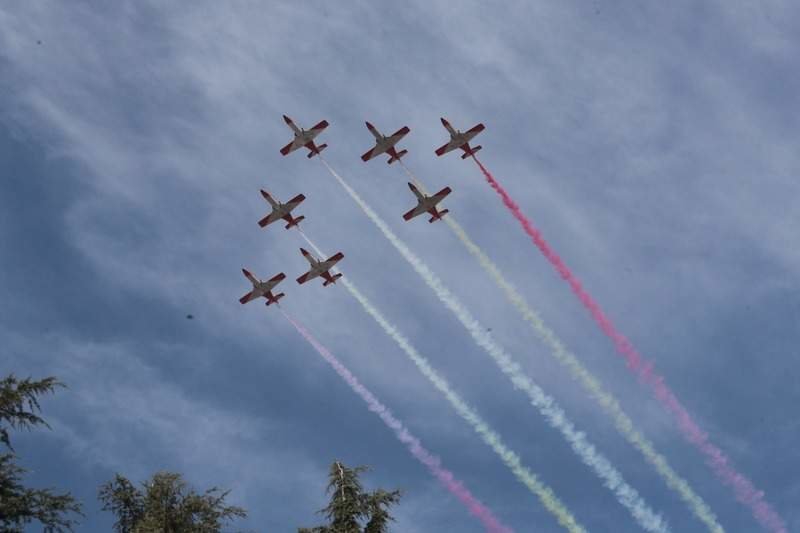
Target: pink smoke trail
[743,488]
[456,488]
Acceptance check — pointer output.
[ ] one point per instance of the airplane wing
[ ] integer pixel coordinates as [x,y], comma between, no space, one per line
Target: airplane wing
[449,147]
[439,196]
[395,137]
[332,261]
[371,153]
[294,202]
[317,129]
[306,277]
[473,131]
[415,212]
[250,296]
[276,279]
[269,219]
[291,147]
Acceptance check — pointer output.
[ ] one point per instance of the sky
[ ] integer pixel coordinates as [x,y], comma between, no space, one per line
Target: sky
[654,145]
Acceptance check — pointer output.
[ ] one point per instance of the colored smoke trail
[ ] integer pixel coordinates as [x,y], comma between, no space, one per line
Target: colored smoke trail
[433,463]
[626,495]
[743,488]
[606,400]
[546,496]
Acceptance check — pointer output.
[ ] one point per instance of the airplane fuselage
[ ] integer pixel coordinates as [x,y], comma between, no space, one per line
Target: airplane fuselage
[317,269]
[428,203]
[461,138]
[305,137]
[281,210]
[263,287]
[381,146]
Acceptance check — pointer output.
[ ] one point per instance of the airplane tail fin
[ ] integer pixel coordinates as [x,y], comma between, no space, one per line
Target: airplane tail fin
[275,298]
[332,280]
[471,151]
[320,148]
[295,221]
[400,154]
[439,215]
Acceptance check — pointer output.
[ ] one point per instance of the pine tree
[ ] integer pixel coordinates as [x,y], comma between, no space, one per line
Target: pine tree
[166,505]
[19,505]
[351,510]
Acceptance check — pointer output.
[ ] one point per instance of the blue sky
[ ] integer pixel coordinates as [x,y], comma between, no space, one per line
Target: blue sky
[654,145]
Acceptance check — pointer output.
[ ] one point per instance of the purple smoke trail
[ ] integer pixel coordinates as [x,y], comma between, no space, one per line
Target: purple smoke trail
[475,507]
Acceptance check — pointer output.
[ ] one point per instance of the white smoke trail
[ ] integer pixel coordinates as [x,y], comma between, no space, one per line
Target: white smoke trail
[547,406]
[489,436]
[607,401]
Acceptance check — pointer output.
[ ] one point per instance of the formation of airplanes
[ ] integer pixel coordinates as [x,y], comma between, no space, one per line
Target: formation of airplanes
[383,145]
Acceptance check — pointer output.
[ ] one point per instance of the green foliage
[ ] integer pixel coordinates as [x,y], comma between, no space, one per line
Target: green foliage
[20,505]
[165,505]
[351,510]
[19,404]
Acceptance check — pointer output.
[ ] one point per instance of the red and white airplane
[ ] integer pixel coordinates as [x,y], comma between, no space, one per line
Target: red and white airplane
[304,138]
[385,144]
[320,268]
[460,140]
[281,210]
[428,204]
[262,288]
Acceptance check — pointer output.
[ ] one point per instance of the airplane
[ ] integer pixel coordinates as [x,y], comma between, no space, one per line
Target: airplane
[460,140]
[281,210]
[320,268]
[304,138]
[428,203]
[386,144]
[262,288]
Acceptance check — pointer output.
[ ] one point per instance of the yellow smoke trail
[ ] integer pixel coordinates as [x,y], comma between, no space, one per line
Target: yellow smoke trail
[489,436]
[626,495]
[607,401]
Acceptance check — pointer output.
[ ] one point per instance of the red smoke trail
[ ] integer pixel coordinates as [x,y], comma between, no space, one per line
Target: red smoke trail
[743,488]
[490,522]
